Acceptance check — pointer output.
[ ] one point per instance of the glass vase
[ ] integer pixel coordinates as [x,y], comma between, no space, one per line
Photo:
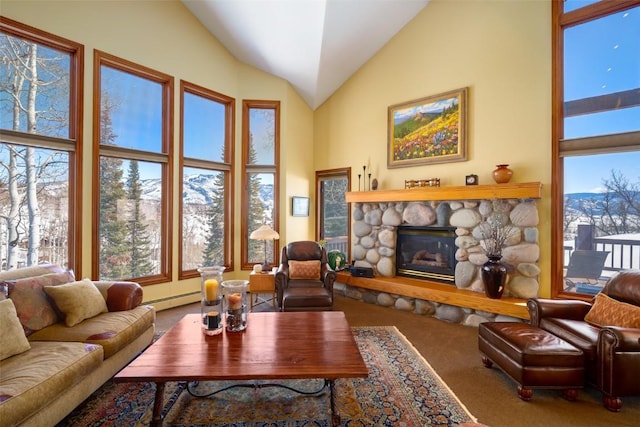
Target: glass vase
[211,308]
[235,302]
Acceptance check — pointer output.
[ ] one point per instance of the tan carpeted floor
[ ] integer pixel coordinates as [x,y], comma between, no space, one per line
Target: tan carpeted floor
[452,350]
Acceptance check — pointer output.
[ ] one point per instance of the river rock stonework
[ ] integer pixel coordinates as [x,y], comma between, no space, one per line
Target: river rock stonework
[374,245]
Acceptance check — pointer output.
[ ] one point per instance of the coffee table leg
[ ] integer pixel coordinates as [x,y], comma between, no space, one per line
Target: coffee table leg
[335,415]
[156,421]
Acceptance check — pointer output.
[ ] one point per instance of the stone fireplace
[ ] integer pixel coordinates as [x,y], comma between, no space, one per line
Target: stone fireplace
[379,217]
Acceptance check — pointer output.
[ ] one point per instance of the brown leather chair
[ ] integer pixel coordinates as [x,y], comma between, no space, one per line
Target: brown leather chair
[304,281]
[612,353]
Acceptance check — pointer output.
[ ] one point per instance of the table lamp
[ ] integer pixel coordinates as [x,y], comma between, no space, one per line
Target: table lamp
[264,232]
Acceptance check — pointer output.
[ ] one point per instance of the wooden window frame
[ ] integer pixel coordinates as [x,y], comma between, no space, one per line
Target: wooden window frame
[247,105]
[225,167]
[74,144]
[560,110]
[165,157]
[339,172]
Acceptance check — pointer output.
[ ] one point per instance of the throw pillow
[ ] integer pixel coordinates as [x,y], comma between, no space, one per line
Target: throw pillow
[78,301]
[607,311]
[12,339]
[32,304]
[309,270]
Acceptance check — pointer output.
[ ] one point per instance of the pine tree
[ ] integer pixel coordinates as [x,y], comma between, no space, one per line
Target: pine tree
[257,214]
[213,253]
[141,263]
[115,254]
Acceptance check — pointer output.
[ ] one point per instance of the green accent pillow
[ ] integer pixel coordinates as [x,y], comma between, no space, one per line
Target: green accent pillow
[336,259]
[78,301]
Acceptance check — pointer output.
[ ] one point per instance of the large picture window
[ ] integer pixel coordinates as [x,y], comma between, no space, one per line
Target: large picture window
[596,143]
[260,178]
[132,153]
[206,204]
[40,147]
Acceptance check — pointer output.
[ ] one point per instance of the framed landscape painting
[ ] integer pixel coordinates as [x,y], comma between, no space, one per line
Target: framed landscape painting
[428,130]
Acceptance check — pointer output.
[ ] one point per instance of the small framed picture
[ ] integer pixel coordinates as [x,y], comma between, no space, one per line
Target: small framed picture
[299,206]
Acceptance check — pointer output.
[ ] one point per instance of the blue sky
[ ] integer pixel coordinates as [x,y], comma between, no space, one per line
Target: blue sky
[602,57]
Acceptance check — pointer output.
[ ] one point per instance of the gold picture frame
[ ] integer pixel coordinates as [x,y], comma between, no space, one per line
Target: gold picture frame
[428,130]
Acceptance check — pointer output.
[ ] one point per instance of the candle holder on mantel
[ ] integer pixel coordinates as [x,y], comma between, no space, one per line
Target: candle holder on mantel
[235,301]
[211,299]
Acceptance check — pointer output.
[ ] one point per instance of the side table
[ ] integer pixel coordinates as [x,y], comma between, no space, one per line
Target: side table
[262,283]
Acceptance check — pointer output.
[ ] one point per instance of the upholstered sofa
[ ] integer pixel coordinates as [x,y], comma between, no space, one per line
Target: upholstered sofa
[607,331]
[62,339]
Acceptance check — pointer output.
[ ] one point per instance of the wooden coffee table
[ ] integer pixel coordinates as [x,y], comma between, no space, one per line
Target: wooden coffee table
[275,345]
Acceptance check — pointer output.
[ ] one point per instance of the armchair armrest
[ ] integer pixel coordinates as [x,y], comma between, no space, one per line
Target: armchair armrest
[282,275]
[616,339]
[328,276]
[540,308]
[120,296]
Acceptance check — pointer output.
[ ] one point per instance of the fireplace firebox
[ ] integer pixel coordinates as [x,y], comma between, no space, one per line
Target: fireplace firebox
[426,253]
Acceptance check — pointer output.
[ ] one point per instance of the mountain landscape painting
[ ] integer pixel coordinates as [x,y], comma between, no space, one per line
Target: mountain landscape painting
[429,130]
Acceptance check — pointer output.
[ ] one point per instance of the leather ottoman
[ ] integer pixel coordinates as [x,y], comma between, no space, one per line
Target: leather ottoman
[306,299]
[533,357]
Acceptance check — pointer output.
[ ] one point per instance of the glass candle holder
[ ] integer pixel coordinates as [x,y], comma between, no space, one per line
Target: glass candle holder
[211,308]
[235,297]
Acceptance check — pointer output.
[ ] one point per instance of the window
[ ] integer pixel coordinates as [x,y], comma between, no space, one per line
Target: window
[206,179]
[260,159]
[40,147]
[132,154]
[596,143]
[333,218]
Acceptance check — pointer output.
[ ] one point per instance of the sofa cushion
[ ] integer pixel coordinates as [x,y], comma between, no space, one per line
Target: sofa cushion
[32,303]
[77,300]
[309,270]
[33,379]
[12,339]
[606,311]
[113,330]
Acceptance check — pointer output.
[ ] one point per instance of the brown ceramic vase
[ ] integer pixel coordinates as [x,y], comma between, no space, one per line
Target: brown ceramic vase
[502,174]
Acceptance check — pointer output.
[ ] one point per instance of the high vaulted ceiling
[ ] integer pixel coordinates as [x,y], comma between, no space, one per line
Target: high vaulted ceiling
[316,45]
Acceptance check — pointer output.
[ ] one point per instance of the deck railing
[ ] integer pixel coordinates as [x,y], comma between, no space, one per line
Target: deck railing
[339,243]
[624,254]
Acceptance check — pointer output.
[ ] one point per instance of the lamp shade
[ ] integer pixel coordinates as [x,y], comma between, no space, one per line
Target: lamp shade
[264,232]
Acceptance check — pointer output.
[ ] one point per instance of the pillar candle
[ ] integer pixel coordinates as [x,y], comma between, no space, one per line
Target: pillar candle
[235,301]
[211,289]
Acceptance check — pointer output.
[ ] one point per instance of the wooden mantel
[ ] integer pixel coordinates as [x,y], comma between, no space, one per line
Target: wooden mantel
[525,190]
[438,292]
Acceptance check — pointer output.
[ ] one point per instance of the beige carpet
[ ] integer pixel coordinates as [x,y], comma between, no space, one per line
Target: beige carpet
[452,350]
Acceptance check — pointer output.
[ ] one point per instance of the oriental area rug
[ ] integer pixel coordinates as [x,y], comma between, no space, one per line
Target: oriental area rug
[401,390]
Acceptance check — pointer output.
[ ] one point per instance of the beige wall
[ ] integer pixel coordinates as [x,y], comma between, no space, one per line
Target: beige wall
[501,51]
[163,35]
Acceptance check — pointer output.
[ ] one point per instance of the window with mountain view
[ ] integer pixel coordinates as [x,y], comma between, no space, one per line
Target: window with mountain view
[597,134]
[260,154]
[206,177]
[132,156]
[39,87]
